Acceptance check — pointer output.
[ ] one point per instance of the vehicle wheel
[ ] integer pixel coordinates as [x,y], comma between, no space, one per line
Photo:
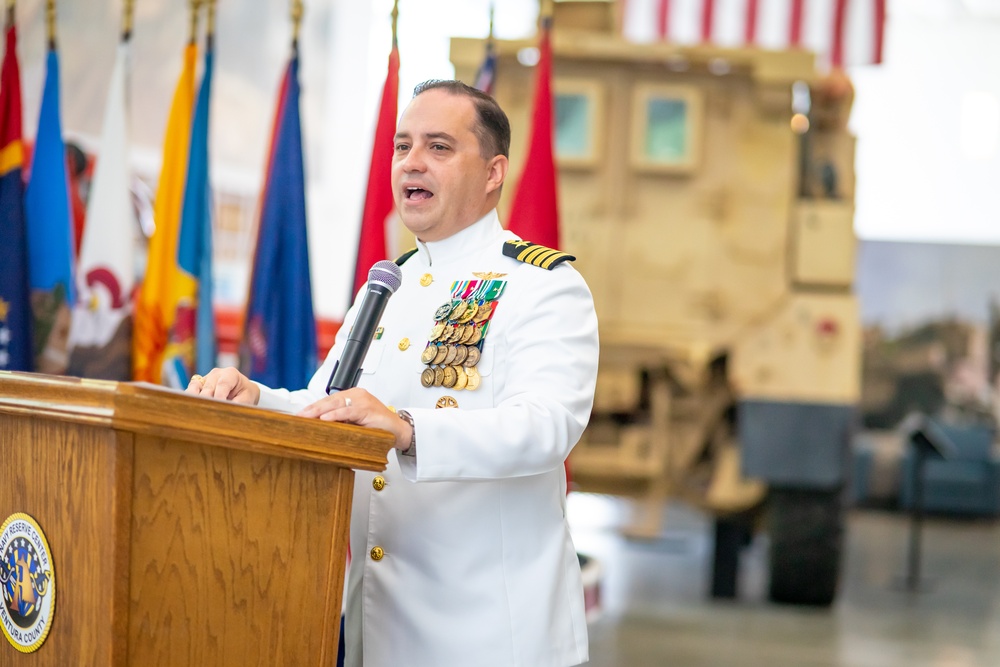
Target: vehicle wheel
[806,529]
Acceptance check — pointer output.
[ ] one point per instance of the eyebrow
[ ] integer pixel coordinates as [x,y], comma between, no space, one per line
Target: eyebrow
[429,136]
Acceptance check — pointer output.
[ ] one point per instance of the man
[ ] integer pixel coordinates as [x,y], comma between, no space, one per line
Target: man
[461,554]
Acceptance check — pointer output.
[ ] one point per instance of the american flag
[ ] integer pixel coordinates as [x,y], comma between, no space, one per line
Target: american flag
[486,76]
[841,32]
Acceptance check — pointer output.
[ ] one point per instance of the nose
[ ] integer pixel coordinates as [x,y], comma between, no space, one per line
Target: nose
[413,160]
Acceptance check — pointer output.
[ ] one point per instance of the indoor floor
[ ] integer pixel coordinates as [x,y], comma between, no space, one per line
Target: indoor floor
[655,611]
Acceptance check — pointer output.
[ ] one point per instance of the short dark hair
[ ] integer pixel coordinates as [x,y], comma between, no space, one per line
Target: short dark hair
[492,126]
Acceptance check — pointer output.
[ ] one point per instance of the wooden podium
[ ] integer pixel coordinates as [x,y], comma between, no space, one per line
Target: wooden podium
[183,531]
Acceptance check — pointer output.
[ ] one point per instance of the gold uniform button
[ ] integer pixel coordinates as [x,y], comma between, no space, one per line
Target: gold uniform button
[404,344]
[426,279]
[378,483]
[377,553]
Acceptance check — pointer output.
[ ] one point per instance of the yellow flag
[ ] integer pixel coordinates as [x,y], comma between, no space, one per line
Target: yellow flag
[156,303]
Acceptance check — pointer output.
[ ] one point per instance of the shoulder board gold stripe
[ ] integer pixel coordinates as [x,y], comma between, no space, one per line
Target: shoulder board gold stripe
[535,256]
[555,259]
[521,256]
[543,257]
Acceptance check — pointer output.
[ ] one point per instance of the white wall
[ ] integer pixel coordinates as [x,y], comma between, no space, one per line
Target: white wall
[928,124]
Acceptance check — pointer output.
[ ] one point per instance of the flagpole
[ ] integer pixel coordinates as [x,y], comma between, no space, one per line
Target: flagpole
[10,13]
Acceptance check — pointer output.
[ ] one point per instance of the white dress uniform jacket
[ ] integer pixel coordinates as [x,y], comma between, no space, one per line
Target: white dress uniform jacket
[477,565]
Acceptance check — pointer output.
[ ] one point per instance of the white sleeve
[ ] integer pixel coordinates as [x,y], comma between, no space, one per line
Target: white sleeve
[284,400]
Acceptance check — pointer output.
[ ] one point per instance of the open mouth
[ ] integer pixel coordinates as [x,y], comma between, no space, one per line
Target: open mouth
[418,194]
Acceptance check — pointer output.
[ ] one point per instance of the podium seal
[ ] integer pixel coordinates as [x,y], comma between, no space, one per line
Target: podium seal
[28,581]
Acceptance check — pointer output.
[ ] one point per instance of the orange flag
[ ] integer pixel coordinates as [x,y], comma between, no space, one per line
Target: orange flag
[157,301]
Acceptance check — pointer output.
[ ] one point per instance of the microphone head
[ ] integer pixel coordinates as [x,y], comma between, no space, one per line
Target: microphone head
[386,274]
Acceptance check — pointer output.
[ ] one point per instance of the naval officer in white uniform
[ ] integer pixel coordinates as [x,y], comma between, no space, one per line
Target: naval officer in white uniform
[484,369]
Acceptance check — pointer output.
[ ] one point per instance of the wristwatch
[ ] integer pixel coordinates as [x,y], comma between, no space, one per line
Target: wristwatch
[408,418]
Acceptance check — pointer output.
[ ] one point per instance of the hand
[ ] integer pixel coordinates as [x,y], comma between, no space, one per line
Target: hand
[357,406]
[227,384]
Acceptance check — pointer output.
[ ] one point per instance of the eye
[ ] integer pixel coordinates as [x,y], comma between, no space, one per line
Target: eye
[401,147]
[438,147]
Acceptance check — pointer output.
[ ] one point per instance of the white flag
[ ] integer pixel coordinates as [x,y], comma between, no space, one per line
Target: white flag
[101,329]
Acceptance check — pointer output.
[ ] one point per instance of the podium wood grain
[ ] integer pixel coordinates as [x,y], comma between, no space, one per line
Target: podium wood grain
[184,531]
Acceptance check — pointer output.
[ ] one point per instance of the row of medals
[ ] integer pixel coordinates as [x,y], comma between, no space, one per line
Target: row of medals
[452,350]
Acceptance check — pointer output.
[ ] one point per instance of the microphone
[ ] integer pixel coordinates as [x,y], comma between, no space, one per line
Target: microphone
[384,278]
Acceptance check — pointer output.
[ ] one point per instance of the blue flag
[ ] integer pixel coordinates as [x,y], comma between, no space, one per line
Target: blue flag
[279,342]
[192,341]
[15,311]
[50,232]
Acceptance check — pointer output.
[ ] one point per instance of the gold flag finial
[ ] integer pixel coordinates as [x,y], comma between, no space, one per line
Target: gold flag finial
[195,7]
[297,11]
[128,10]
[395,20]
[10,13]
[209,22]
[50,23]
[492,8]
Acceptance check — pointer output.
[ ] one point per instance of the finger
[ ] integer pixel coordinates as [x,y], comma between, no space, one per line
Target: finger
[338,406]
[223,389]
[326,414]
[317,409]
[200,381]
[196,384]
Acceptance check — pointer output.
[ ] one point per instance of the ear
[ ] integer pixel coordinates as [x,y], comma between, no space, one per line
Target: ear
[497,172]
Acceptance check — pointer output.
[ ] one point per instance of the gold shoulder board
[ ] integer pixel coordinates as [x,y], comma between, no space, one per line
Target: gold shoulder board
[538,255]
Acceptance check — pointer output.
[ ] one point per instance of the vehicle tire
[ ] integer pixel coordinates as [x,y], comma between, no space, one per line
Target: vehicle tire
[806,530]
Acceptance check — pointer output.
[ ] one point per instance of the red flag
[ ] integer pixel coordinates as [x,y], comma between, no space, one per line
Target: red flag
[534,214]
[378,200]
[15,300]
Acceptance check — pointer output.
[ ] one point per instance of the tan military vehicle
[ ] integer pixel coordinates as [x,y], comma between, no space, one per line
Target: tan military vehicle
[708,196]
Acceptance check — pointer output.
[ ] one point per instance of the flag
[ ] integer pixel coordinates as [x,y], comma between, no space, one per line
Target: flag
[192,346]
[534,213]
[50,237]
[379,204]
[15,309]
[486,76]
[279,342]
[841,32]
[154,308]
[100,337]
